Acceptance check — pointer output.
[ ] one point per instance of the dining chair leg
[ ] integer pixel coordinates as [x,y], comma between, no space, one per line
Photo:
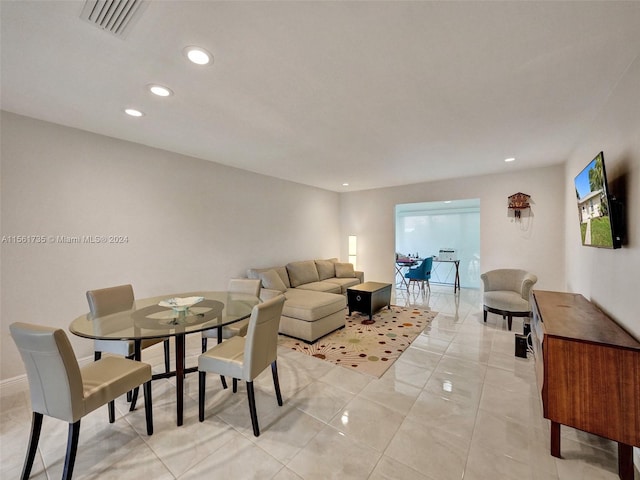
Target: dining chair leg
[223,381]
[235,385]
[204,344]
[167,358]
[97,356]
[276,383]
[148,407]
[112,411]
[72,448]
[252,409]
[201,386]
[134,399]
[36,428]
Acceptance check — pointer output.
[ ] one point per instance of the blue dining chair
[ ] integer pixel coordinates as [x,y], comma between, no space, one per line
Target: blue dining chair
[420,273]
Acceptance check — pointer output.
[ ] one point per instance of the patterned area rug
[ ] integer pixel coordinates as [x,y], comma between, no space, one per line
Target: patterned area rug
[368,346]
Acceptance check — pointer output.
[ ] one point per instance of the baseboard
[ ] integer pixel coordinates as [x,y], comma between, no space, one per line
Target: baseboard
[14,385]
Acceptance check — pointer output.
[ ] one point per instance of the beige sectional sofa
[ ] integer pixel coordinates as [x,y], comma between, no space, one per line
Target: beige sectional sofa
[315,292]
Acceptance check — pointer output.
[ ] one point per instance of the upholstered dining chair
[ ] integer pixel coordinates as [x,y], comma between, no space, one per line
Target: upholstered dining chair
[421,273]
[506,293]
[244,358]
[249,286]
[107,301]
[60,389]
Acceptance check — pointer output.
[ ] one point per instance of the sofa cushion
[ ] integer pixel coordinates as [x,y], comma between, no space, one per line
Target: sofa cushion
[310,306]
[344,283]
[326,269]
[345,270]
[302,272]
[271,280]
[324,286]
[281,271]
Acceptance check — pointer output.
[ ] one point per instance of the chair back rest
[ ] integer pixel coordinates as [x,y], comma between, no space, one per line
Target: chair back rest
[261,342]
[511,279]
[106,301]
[250,286]
[55,382]
[426,266]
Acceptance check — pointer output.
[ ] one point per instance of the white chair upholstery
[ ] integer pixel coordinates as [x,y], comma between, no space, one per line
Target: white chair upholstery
[59,388]
[244,358]
[107,301]
[247,286]
[506,293]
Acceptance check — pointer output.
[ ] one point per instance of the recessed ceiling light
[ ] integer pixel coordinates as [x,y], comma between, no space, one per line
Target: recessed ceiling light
[198,55]
[510,159]
[447,201]
[345,184]
[160,90]
[133,112]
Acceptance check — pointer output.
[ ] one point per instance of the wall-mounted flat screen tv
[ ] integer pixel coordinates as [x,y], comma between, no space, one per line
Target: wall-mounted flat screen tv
[597,208]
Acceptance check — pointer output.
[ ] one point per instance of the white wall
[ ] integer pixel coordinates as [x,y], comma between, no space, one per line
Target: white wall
[191,224]
[611,278]
[536,243]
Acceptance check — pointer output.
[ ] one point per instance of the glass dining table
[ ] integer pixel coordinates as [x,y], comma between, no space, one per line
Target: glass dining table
[147,320]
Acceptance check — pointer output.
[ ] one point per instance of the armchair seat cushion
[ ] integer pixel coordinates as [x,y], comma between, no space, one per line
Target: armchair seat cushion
[506,300]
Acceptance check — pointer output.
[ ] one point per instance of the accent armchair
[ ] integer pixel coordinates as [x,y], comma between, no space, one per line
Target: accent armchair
[506,293]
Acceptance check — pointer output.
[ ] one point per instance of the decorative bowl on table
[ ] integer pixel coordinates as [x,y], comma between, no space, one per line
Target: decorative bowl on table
[179,304]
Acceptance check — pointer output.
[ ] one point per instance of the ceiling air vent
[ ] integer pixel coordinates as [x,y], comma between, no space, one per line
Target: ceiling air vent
[113,16]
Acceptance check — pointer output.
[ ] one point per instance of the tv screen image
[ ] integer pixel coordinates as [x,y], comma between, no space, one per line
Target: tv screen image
[595,206]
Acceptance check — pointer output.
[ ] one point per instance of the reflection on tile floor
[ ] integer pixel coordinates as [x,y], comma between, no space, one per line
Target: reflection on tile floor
[457,405]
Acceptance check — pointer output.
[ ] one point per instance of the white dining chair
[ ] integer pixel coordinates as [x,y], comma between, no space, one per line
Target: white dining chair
[107,301]
[244,358]
[60,389]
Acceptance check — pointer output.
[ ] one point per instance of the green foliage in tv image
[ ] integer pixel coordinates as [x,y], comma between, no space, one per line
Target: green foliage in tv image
[601,232]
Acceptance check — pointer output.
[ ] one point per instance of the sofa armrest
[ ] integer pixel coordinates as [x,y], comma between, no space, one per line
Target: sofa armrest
[268,294]
[360,276]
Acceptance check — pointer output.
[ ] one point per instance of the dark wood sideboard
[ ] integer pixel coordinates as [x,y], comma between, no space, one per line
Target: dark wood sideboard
[588,372]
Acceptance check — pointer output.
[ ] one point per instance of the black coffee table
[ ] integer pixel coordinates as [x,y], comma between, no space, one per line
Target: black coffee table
[369,297]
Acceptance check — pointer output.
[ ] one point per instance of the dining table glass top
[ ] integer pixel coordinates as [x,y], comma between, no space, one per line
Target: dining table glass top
[148,319]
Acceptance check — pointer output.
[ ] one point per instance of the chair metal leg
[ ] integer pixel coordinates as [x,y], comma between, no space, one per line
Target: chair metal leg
[36,427]
[112,411]
[204,344]
[509,321]
[484,315]
[201,386]
[148,407]
[235,385]
[252,409]
[276,382]
[167,358]
[97,356]
[72,448]
[223,381]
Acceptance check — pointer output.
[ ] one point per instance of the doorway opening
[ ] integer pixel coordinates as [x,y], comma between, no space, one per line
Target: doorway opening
[444,230]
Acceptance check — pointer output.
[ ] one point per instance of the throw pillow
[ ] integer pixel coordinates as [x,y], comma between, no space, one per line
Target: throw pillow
[272,281]
[302,272]
[345,270]
[326,269]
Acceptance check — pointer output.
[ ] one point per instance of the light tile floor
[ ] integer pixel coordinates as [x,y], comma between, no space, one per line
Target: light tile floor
[457,405]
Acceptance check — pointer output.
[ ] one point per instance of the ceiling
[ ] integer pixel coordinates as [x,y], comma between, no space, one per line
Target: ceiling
[371,93]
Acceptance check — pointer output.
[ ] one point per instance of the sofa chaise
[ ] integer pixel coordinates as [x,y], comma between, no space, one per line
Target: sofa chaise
[315,292]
